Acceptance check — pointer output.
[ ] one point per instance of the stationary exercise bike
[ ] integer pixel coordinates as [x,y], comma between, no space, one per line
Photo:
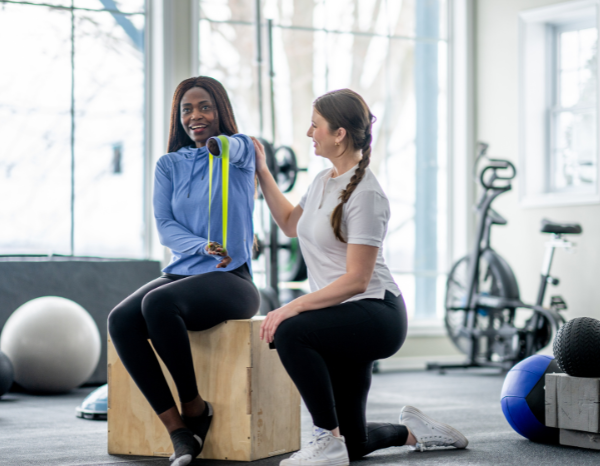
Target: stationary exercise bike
[484,313]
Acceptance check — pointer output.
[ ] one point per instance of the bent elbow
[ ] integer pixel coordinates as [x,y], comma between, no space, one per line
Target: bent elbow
[362,286]
[289,232]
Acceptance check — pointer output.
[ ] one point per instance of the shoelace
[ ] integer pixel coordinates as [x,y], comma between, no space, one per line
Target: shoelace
[314,447]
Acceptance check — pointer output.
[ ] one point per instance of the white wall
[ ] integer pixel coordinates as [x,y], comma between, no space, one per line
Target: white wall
[497,123]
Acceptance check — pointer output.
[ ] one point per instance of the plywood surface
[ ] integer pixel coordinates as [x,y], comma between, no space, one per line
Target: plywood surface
[221,358]
[256,405]
[275,404]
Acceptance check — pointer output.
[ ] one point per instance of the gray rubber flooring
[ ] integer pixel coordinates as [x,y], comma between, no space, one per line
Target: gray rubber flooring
[43,430]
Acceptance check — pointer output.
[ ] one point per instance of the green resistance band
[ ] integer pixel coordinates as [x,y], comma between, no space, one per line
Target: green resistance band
[225,181]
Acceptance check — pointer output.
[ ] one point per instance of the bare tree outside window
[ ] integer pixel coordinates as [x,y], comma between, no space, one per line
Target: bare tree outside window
[71,91]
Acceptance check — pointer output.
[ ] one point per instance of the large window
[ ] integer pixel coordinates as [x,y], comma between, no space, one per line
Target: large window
[394,53]
[573,155]
[559,104]
[72,96]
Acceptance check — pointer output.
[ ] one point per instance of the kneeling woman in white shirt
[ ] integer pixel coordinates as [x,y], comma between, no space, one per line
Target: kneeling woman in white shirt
[355,314]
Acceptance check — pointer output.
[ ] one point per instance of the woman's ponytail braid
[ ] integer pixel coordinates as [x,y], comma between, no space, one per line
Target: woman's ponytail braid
[359,173]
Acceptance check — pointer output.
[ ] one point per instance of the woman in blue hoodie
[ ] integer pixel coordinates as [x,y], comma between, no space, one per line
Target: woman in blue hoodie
[204,284]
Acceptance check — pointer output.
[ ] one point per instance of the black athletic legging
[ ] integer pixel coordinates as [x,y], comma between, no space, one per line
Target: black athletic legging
[329,354]
[163,311]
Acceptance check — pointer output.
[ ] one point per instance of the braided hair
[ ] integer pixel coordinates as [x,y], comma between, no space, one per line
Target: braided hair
[346,109]
[178,138]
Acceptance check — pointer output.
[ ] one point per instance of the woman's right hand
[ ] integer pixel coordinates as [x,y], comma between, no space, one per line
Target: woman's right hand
[215,249]
[261,158]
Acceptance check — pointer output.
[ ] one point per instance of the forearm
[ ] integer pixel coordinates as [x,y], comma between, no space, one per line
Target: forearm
[281,209]
[338,291]
[179,239]
[241,150]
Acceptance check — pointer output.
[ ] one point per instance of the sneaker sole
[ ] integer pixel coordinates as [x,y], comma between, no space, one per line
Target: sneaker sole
[462,441]
[288,462]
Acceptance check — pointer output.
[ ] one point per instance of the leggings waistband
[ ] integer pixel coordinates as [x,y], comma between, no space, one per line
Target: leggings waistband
[242,271]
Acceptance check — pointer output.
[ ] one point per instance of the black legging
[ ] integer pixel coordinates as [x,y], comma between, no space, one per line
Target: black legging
[163,311]
[329,355]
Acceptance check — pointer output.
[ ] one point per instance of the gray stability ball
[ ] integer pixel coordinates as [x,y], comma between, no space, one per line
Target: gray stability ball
[53,344]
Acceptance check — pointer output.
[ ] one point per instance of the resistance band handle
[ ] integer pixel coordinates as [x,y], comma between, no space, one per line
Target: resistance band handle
[225,185]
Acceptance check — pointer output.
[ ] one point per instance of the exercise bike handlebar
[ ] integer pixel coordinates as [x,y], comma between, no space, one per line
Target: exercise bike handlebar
[494,166]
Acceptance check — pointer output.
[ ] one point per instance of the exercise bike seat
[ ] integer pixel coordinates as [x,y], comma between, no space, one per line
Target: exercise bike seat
[549,226]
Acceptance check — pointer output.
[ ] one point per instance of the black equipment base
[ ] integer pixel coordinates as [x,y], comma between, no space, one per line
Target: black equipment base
[434,366]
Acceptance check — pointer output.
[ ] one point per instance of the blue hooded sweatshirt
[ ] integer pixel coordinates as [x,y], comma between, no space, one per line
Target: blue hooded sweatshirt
[181,207]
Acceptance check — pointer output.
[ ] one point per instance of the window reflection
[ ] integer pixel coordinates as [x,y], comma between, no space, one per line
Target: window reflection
[35,129]
[574,158]
[371,47]
[109,104]
[126,6]
[52,131]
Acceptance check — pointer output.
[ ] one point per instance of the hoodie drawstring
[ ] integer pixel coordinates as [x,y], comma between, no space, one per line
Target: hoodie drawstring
[191,175]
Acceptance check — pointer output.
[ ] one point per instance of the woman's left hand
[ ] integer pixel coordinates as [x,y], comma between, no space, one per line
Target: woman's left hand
[274,318]
[213,147]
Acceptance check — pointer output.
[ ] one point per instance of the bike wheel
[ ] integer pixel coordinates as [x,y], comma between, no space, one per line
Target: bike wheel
[492,281]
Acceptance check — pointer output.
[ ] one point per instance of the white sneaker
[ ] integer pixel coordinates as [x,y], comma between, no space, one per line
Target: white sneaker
[323,450]
[430,433]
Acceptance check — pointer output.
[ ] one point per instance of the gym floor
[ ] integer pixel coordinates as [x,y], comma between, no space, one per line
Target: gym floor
[43,430]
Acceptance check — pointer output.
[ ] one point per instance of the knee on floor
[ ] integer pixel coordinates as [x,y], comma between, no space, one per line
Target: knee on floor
[356,450]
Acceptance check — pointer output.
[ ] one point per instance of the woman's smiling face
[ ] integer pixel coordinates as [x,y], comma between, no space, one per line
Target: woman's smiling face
[323,139]
[199,115]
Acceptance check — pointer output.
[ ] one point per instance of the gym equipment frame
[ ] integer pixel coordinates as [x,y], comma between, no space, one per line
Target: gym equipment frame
[482,294]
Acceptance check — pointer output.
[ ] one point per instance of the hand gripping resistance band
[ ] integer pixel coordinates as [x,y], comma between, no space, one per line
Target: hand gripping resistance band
[225,182]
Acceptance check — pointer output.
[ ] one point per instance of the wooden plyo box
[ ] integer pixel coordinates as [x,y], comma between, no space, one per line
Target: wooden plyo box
[256,405]
[573,405]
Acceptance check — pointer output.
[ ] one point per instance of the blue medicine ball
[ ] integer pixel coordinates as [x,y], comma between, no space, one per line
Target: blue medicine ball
[523,398]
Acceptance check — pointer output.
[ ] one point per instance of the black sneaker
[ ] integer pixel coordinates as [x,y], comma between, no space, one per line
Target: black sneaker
[187,446]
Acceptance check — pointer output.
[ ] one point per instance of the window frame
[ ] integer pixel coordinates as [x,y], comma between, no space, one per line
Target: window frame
[555,109]
[70,251]
[539,59]
[456,11]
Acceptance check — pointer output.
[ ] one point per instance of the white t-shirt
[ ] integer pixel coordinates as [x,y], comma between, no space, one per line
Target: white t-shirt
[364,221]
